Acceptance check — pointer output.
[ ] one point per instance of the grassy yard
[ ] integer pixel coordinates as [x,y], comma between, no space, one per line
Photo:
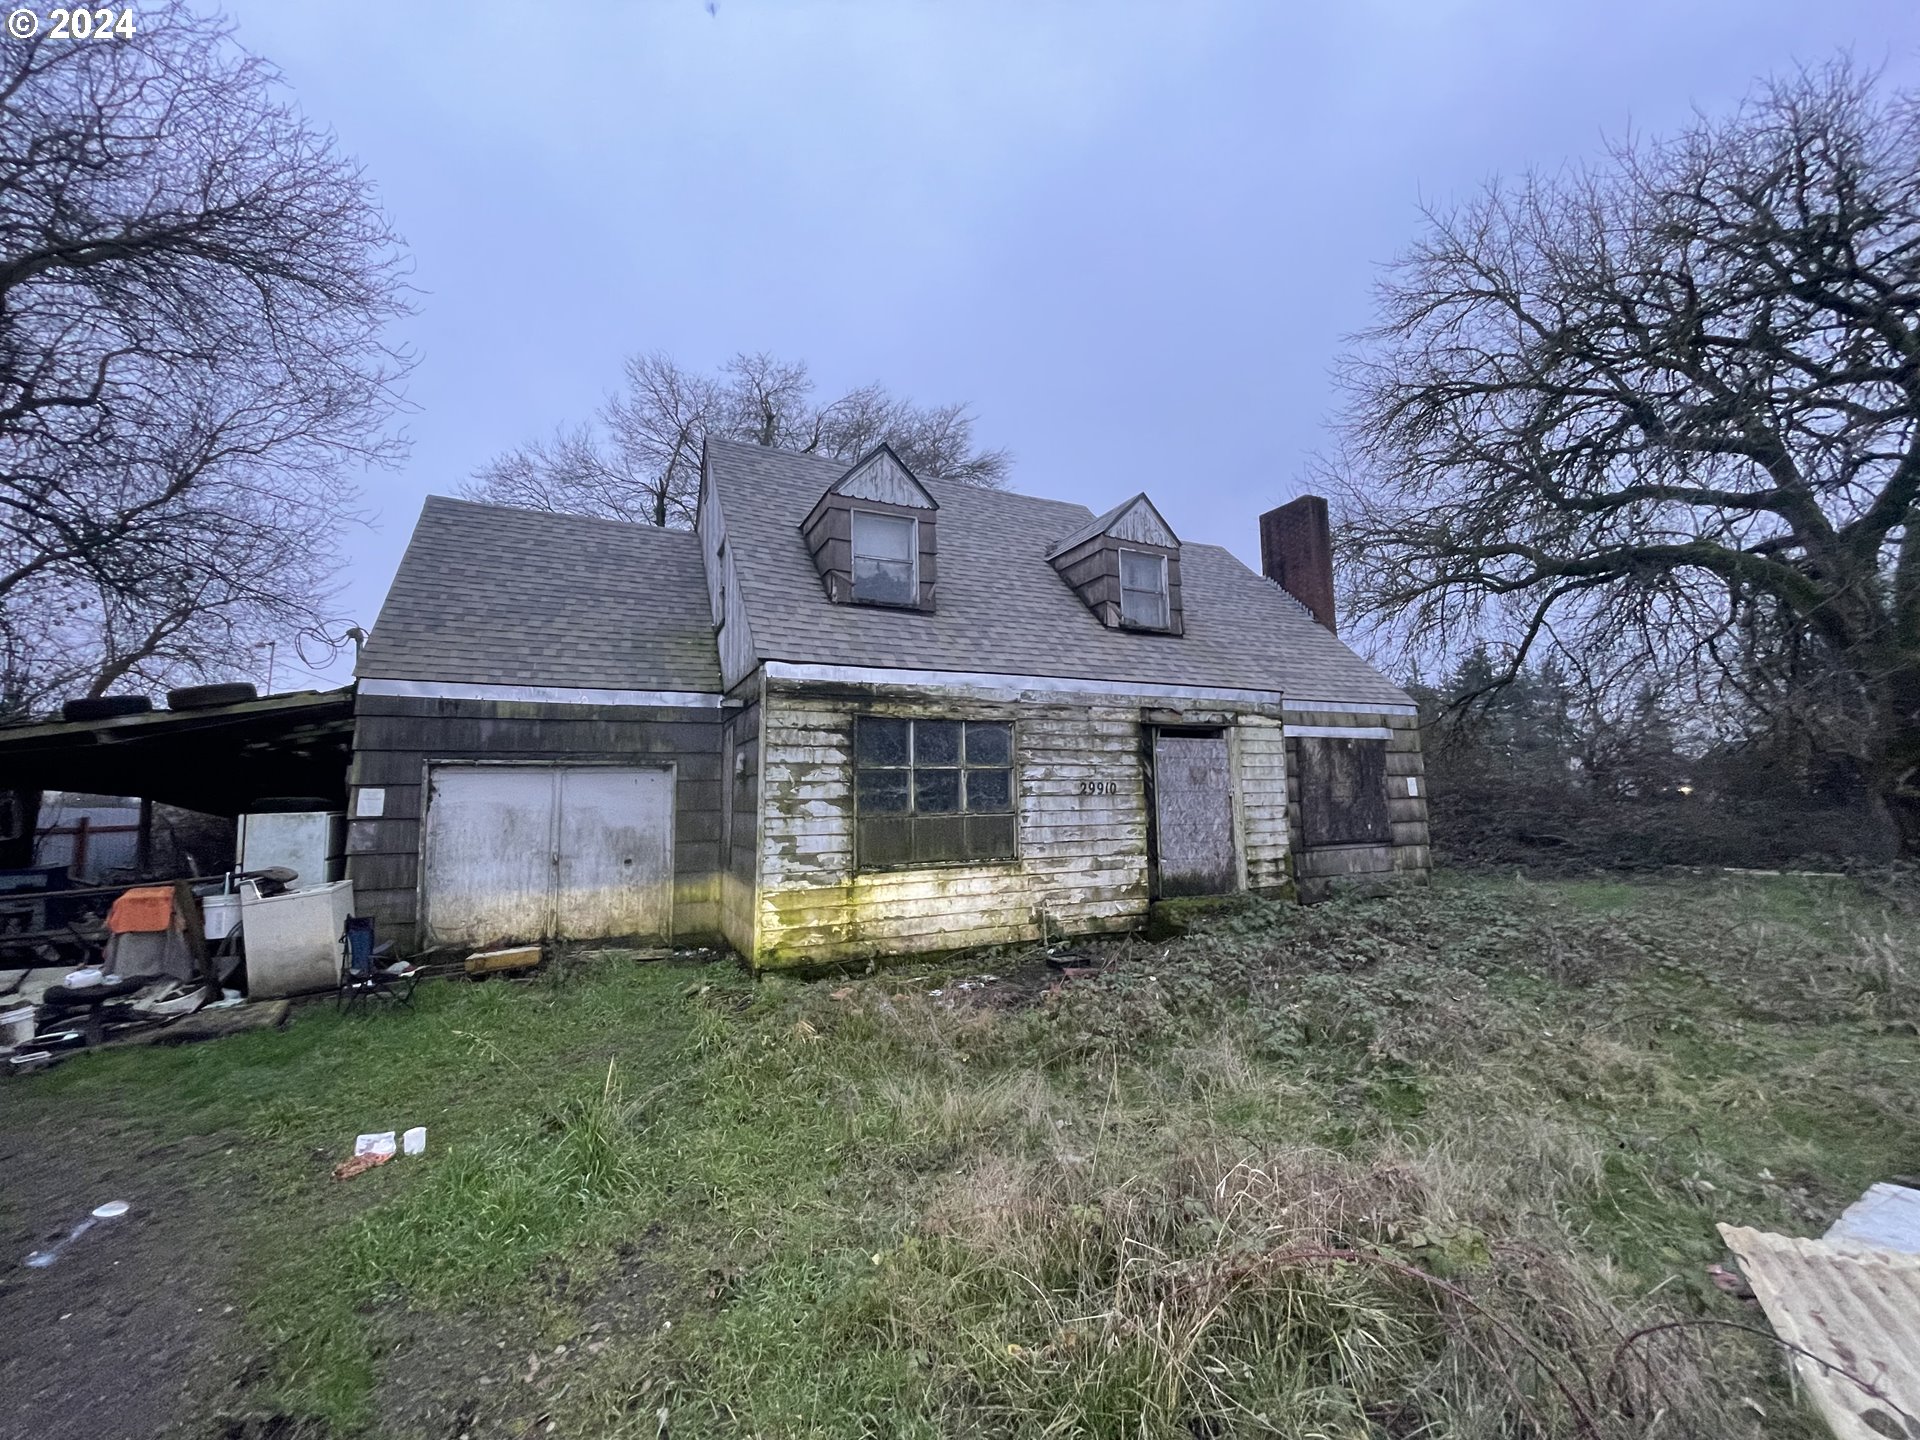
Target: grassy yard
[1402,1167]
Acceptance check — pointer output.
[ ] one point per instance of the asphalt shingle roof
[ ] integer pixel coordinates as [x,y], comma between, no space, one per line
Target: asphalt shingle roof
[1001,606]
[491,595]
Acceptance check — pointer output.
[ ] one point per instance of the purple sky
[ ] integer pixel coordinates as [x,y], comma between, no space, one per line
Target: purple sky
[1131,236]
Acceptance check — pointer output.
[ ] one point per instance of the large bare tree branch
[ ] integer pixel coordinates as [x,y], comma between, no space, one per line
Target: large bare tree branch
[1687,378]
[641,460]
[195,297]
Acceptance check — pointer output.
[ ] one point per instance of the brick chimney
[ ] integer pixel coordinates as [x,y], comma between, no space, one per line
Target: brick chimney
[1296,553]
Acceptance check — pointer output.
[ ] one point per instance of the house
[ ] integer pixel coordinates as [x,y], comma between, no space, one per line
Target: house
[859,713]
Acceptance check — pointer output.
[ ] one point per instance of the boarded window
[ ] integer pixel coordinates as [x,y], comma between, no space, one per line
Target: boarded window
[933,792]
[883,559]
[1143,589]
[1343,791]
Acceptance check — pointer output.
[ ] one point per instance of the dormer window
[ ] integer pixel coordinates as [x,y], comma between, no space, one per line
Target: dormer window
[872,536]
[1125,567]
[885,552]
[1143,589]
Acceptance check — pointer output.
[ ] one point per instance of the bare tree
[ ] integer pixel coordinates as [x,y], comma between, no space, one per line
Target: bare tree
[1669,407]
[640,459]
[195,289]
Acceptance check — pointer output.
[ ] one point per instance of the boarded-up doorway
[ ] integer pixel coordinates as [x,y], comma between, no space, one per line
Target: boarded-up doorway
[1193,813]
[524,852]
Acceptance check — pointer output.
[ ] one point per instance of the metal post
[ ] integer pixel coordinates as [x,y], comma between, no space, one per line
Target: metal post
[143,842]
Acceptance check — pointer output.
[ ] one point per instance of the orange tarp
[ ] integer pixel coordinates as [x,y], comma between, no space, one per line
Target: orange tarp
[142,911]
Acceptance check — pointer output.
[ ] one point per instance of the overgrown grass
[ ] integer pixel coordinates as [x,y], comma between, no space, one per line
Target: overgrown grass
[1412,1166]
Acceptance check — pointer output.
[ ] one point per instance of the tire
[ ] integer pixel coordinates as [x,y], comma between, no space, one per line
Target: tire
[206,697]
[106,707]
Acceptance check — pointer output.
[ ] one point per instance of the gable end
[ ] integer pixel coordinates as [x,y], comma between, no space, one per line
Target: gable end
[1090,560]
[884,476]
[878,484]
[1141,523]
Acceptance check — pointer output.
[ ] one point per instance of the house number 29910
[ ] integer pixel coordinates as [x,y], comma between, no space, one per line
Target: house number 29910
[1096,787]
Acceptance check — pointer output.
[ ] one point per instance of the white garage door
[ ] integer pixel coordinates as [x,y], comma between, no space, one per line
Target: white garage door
[522,852]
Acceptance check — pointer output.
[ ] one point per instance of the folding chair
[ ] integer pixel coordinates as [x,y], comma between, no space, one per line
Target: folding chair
[365,968]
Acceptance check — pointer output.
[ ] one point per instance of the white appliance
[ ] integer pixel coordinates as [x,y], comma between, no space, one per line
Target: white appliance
[311,843]
[293,940]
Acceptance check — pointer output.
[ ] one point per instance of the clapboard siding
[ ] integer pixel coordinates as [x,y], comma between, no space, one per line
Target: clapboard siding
[1322,869]
[1083,861]
[395,738]
[1262,793]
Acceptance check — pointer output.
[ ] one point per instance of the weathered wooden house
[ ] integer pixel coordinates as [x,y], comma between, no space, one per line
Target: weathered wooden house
[857,713]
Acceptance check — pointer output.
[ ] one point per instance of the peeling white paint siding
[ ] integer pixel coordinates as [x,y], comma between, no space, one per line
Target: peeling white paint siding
[1263,802]
[1140,523]
[1082,810]
[882,479]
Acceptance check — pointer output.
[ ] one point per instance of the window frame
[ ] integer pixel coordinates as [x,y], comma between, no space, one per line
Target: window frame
[1164,592]
[913,815]
[912,522]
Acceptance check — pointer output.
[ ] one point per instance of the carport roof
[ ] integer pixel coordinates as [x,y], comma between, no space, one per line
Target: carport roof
[221,761]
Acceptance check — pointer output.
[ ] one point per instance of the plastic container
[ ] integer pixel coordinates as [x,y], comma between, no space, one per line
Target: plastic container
[16,1027]
[221,913]
[293,940]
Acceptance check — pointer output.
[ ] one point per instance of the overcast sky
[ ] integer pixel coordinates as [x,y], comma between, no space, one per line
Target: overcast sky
[1132,237]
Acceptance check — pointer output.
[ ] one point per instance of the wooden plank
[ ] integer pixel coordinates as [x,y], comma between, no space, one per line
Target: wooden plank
[187,907]
[1346,860]
[382,872]
[417,708]
[384,836]
[501,962]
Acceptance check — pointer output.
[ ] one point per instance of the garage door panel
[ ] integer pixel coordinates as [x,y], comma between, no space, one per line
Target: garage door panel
[616,853]
[523,852]
[489,848]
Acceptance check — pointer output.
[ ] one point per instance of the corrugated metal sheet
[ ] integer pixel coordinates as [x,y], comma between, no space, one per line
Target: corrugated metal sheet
[1887,1217]
[1857,1311]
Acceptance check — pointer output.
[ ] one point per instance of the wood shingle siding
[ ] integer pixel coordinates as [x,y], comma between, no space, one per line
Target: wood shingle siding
[1404,854]
[396,738]
[728,608]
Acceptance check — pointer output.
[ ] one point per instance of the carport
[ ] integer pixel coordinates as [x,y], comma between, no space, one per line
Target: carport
[221,761]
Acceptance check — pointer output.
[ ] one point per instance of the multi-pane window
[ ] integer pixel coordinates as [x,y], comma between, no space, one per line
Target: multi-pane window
[1143,588]
[933,792]
[884,559]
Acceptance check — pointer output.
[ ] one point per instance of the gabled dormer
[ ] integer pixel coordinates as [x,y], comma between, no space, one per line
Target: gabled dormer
[1125,567]
[872,535]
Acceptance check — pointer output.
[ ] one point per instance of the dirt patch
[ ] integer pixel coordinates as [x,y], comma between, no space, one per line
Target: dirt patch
[444,1376]
[132,1329]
